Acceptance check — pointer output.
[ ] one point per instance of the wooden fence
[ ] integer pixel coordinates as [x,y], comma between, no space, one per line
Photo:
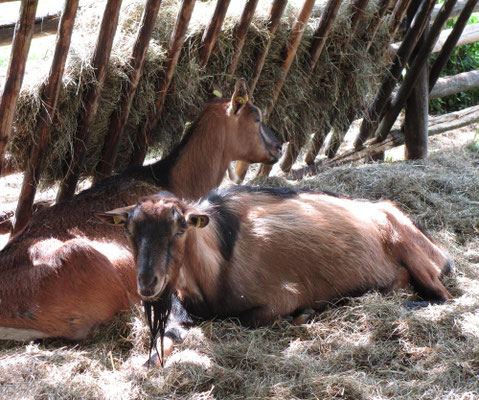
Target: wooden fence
[418,42]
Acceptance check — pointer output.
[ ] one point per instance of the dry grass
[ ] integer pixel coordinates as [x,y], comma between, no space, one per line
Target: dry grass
[370,348]
[343,79]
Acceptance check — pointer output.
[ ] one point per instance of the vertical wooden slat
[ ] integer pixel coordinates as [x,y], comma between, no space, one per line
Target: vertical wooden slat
[413,73]
[326,21]
[176,42]
[119,118]
[369,123]
[240,33]
[16,69]
[275,14]
[211,32]
[49,100]
[87,115]
[296,35]
[451,42]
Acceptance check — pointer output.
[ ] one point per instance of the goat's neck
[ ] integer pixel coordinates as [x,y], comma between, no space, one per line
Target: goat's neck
[201,265]
[201,165]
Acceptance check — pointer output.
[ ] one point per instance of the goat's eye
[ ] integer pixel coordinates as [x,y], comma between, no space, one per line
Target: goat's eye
[180,232]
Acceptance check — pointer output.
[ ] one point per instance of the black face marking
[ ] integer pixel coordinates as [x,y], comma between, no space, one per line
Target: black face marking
[424,291]
[228,224]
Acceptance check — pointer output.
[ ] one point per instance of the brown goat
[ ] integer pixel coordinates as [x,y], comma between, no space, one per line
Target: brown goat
[259,253]
[65,273]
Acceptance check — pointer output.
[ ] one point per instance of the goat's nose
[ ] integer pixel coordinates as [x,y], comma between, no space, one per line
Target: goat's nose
[146,284]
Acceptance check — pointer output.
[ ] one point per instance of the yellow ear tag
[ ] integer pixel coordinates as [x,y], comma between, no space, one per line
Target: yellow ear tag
[198,223]
[116,219]
[217,93]
[240,100]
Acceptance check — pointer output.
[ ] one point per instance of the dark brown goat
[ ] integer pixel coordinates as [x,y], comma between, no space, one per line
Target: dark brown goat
[258,254]
[65,273]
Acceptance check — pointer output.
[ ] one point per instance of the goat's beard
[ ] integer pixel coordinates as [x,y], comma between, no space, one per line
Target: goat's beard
[157,313]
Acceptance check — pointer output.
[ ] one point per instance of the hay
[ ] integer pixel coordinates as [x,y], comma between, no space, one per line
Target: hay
[371,347]
[340,82]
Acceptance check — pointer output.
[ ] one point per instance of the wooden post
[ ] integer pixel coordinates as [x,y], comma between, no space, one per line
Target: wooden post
[15,72]
[211,32]
[119,118]
[240,33]
[275,13]
[44,121]
[451,42]
[380,102]
[290,51]
[176,42]
[413,73]
[417,115]
[92,99]
[318,138]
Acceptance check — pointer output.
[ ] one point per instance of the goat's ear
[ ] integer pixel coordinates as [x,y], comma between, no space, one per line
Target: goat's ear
[197,220]
[240,96]
[116,217]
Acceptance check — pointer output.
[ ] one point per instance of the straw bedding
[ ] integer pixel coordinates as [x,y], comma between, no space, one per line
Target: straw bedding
[370,347]
[345,78]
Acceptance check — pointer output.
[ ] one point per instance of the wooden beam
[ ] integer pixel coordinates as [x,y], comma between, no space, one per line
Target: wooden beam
[211,31]
[176,42]
[87,115]
[15,71]
[45,25]
[414,72]
[451,42]
[240,33]
[455,84]
[381,100]
[290,51]
[456,11]
[119,118]
[49,100]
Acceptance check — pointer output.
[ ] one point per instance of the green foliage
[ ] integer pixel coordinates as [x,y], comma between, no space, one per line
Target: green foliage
[474,146]
[464,58]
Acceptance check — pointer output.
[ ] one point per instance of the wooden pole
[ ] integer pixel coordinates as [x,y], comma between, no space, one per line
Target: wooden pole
[417,114]
[454,84]
[49,100]
[43,25]
[381,100]
[456,11]
[326,21]
[15,71]
[87,115]
[411,77]
[240,33]
[451,42]
[119,118]
[211,32]
[290,51]
[176,42]
[275,13]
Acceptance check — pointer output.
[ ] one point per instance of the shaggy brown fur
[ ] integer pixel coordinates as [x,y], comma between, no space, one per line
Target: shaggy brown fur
[66,273]
[258,254]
